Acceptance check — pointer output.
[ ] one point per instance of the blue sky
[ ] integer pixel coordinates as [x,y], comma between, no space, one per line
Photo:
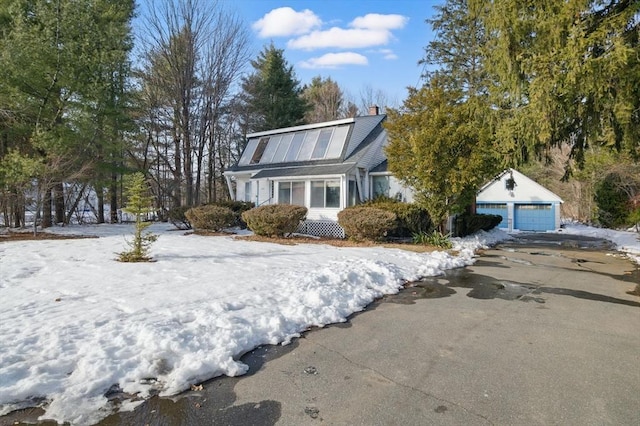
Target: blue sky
[359,44]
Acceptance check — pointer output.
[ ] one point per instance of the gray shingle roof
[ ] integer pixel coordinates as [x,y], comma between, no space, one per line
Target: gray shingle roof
[331,169]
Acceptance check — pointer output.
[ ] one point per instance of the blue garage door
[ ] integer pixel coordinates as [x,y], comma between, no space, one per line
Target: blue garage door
[494,208]
[534,217]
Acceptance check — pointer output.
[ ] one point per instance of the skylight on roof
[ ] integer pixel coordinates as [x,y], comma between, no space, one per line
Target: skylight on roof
[304,145]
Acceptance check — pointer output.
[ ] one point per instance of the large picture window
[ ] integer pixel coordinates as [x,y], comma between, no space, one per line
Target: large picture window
[291,193]
[325,193]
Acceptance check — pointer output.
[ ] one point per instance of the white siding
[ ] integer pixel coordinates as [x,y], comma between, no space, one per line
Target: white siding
[525,191]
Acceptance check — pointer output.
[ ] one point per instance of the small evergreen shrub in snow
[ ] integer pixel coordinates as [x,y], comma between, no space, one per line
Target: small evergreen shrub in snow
[177,217]
[366,223]
[275,219]
[210,217]
[139,203]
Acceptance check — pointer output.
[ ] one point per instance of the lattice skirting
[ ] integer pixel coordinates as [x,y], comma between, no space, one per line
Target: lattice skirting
[321,228]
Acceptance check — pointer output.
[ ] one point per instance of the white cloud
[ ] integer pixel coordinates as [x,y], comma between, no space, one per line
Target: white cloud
[335,60]
[285,21]
[341,38]
[388,54]
[375,21]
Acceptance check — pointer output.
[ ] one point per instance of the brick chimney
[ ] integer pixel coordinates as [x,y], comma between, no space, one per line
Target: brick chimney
[374,110]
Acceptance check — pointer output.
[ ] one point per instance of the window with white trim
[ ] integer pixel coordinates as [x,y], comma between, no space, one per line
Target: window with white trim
[291,193]
[325,193]
[247,191]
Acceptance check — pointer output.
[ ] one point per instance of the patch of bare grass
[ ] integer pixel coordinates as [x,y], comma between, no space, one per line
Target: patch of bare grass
[336,242]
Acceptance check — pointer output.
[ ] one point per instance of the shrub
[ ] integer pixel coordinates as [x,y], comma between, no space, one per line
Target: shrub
[275,219]
[412,218]
[237,207]
[436,239]
[210,217]
[177,217]
[467,223]
[367,223]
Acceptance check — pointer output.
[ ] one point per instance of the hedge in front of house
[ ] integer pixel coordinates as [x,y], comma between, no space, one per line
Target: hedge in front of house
[275,219]
[412,218]
[367,223]
[467,223]
[210,217]
[237,207]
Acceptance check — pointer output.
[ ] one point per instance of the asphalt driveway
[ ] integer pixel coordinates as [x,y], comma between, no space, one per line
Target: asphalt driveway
[539,331]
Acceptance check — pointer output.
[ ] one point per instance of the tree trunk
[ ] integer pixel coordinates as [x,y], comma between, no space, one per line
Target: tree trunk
[113,198]
[58,191]
[100,195]
[46,208]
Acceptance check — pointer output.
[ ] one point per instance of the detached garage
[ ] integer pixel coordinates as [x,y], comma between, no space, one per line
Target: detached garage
[523,204]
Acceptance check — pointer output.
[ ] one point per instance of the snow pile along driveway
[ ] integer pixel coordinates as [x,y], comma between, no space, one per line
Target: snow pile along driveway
[74,322]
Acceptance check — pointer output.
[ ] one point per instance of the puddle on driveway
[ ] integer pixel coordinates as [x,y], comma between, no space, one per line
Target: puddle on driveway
[485,287]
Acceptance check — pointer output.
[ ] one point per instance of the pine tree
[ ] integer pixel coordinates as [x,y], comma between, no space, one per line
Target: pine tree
[565,72]
[441,139]
[272,93]
[138,204]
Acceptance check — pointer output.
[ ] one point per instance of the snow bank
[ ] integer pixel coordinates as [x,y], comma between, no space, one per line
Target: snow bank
[74,322]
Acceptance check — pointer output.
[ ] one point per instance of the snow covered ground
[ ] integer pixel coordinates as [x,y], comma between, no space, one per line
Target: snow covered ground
[74,321]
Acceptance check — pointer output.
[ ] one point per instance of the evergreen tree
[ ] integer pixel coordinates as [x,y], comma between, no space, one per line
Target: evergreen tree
[140,205]
[436,148]
[566,71]
[272,93]
[441,139]
[62,61]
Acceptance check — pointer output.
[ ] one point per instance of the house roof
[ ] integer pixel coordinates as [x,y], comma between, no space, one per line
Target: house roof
[357,141]
[319,170]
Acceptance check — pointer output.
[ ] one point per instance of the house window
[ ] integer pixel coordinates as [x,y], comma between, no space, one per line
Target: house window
[257,154]
[291,193]
[247,191]
[353,193]
[380,186]
[325,193]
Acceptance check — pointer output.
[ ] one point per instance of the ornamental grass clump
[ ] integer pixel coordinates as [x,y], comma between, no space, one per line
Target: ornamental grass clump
[210,218]
[139,204]
[366,223]
[275,220]
[436,239]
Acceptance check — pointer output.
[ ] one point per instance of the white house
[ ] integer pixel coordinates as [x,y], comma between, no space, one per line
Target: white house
[325,167]
[523,204]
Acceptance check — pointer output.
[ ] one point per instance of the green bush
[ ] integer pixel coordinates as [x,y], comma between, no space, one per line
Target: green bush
[237,207]
[210,217]
[436,239]
[177,217]
[275,219]
[411,217]
[612,203]
[367,223]
[468,223]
